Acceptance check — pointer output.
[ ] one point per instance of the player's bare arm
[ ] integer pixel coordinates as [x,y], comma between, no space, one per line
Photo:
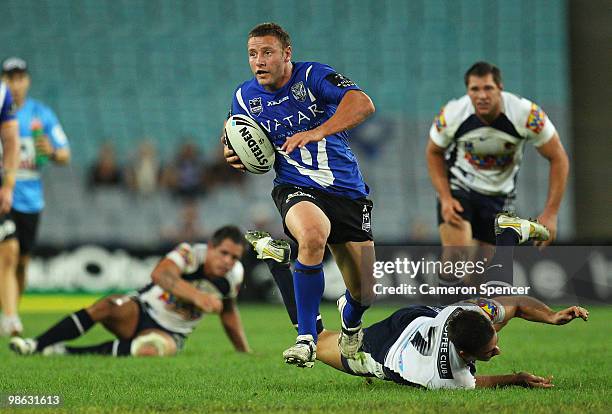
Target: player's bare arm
[167,275]
[354,108]
[230,319]
[531,309]
[439,178]
[523,379]
[554,152]
[9,133]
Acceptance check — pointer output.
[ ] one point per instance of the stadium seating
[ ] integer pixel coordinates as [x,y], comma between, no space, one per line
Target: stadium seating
[121,70]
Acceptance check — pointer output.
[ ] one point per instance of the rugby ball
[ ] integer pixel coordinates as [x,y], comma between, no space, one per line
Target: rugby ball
[249,141]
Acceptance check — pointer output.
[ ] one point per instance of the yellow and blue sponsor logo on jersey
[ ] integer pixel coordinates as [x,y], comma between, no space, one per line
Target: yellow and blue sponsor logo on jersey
[440,121]
[536,119]
[489,161]
[187,310]
[488,306]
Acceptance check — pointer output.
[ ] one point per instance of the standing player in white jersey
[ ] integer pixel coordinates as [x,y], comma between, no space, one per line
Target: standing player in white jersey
[9,247]
[42,139]
[190,281]
[483,135]
[306,109]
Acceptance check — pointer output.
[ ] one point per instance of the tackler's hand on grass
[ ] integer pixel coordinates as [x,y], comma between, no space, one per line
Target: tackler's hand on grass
[527,380]
[567,315]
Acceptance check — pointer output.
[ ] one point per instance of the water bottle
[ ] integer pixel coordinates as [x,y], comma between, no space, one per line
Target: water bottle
[38,134]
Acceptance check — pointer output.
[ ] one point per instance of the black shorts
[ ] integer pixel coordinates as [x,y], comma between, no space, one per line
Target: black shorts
[351,220]
[145,321]
[380,337]
[27,229]
[480,211]
[8,229]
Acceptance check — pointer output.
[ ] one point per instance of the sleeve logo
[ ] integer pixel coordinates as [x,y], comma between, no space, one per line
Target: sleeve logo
[186,253]
[536,119]
[440,121]
[489,307]
[255,106]
[339,80]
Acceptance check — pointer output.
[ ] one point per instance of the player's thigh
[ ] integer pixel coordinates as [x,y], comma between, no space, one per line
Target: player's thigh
[355,261]
[456,235]
[170,347]
[118,314]
[308,224]
[328,351]
[9,251]
[457,244]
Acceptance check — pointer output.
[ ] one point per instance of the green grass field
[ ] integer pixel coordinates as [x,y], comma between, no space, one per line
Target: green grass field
[209,377]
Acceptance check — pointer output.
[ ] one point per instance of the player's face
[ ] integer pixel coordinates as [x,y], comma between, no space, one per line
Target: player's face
[18,83]
[485,95]
[222,258]
[489,350]
[269,61]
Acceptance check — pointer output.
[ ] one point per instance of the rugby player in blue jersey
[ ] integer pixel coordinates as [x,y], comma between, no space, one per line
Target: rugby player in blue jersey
[9,134]
[307,109]
[34,118]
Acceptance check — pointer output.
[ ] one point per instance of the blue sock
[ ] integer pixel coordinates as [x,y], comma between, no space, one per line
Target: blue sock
[281,272]
[353,311]
[309,284]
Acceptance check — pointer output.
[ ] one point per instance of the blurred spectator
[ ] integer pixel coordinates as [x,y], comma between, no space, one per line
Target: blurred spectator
[184,177]
[105,171]
[187,227]
[263,217]
[220,173]
[144,172]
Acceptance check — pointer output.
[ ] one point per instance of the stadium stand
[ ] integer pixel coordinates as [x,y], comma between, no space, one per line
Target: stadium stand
[129,69]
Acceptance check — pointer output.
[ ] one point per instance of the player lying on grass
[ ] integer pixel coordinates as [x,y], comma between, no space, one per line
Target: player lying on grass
[437,347]
[190,281]
[434,347]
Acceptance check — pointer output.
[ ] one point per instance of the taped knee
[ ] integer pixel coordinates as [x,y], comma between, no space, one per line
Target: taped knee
[151,344]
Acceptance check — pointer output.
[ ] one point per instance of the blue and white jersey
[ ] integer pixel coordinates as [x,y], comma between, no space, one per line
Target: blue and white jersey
[28,193]
[308,100]
[7,110]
